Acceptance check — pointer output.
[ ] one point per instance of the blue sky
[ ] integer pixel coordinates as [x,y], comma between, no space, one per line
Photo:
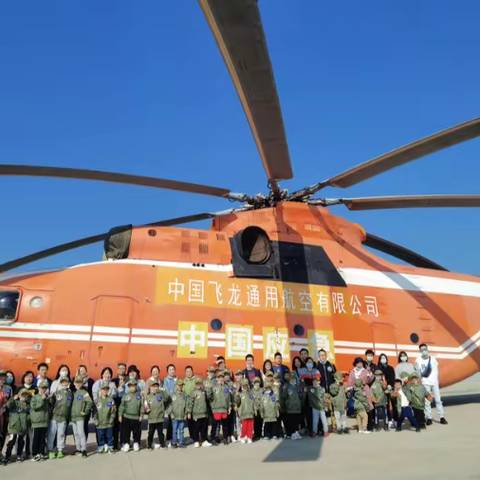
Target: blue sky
[140,87]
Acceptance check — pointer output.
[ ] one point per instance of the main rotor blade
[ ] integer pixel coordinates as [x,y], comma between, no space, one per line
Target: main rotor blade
[237,28]
[400,252]
[64,247]
[414,201]
[82,174]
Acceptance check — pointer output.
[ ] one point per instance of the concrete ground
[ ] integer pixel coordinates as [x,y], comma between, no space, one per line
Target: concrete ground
[441,452]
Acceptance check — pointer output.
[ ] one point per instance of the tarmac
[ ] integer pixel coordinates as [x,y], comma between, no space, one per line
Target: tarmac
[440,452]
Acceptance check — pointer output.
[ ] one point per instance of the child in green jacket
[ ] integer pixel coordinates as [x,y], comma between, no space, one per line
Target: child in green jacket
[270,412]
[379,390]
[178,411]
[362,405]
[155,405]
[39,420]
[293,399]
[81,408]
[220,400]
[318,402]
[339,400]
[18,424]
[104,418]
[130,416]
[197,410]
[246,410]
[61,405]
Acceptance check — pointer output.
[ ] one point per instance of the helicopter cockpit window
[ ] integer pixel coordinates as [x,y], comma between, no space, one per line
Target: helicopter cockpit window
[256,247]
[8,305]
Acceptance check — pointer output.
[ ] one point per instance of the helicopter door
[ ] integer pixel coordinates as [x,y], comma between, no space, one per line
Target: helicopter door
[112,319]
[384,339]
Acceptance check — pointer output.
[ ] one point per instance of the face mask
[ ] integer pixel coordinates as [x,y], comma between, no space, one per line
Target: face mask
[424,352]
[293,382]
[358,367]
[63,374]
[403,359]
[309,365]
[383,361]
[9,380]
[62,388]
[369,358]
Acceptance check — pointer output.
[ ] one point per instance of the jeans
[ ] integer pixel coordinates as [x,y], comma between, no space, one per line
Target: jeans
[433,390]
[381,414]
[177,433]
[407,413]
[79,435]
[59,429]
[105,436]
[341,418]
[316,416]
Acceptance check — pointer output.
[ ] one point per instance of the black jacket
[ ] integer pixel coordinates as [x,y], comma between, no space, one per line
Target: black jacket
[327,371]
[389,373]
[258,374]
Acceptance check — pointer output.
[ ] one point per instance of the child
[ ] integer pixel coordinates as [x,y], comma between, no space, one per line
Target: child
[237,387]
[231,416]
[379,391]
[403,405]
[246,410]
[155,404]
[277,385]
[130,416]
[39,420]
[339,400]
[418,394]
[257,421]
[81,408]
[293,398]
[105,413]
[18,424]
[61,406]
[220,400]
[362,405]
[270,412]
[198,410]
[177,411]
[318,402]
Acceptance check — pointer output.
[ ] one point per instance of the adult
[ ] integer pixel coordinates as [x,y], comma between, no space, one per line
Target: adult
[42,374]
[327,370]
[106,376]
[88,383]
[267,367]
[297,364]
[360,371]
[250,371]
[369,364]
[221,363]
[389,375]
[27,382]
[404,369]
[134,374]
[304,355]
[279,367]
[169,384]
[308,372]
[121,370]
[427,368]
[62,372]
[154,376]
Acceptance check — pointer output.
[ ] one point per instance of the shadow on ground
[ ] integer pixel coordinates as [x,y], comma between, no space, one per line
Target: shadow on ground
[453,400]
[307,450]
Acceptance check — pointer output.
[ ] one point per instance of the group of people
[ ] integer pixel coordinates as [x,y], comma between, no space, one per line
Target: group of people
[245,405]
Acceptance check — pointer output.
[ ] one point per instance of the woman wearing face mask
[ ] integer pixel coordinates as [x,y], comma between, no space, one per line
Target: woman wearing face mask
[307,374]
[360,371]
[9,384]
[403,367]
[63,372]
[389,376]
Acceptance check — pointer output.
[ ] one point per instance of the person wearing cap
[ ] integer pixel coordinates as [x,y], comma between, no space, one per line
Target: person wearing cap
[246,410]
[178,413]
[221,363]
[307,374]
[418,396]
[197,410]
[237,387]
[293,399]
[367,376]
[18,424]
[130,415]
[270,411]
[81,408]
[169,383]
[379,395]
[61,405]
[362,405]
[156,403]
[220,399]
[403,396]
[257,392]
[210,380]
[39,412]
[339,400]
[231,416]
[276,387]
[318,403]
[104,418]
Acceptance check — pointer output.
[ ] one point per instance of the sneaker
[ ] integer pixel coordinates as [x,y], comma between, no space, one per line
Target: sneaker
[368,432]
[169,444]
[325,434]
[429,421]
[196,444]
[20,459]
[386,428]
[76,453]
[126,448]
[398,429]
[276,438]
[391,424]
[346,431]
[418,429]
[225,441]
[339,431]
[182,445]
[156,446]
[105,448]
[249,440]
[5,461]
[214,443]
[99,450]
[174,445]
[60,454]
[443,421]
[233,439]
[84,454]
[111,450]
[51,455]
[136,447]
[266,439]
[206,443]
[313,435]
[242,440]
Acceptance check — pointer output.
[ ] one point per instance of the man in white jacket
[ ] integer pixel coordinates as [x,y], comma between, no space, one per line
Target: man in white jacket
[427,368]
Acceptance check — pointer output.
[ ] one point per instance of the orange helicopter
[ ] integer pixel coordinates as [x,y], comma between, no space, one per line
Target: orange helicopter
[278,273]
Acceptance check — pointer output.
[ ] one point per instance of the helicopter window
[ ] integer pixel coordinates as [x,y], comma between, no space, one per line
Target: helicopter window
[414,338]
[8,305]
[255,245]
